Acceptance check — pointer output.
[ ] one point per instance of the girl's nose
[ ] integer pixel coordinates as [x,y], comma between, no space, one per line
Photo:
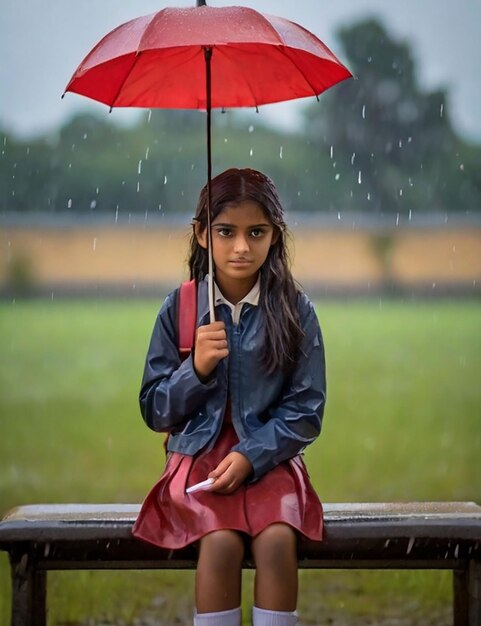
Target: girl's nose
[240,244]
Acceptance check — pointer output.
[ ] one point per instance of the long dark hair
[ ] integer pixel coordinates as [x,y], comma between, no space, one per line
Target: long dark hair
[278,290]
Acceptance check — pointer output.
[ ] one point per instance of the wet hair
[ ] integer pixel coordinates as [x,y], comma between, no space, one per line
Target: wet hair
[278,290]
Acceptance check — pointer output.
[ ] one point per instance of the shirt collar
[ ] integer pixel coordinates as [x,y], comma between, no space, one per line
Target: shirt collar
[251,298]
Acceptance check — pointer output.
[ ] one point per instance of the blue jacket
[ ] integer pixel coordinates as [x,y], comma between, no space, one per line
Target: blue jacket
[275,416]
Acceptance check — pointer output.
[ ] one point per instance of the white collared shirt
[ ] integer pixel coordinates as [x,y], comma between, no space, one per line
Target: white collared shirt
[251,298]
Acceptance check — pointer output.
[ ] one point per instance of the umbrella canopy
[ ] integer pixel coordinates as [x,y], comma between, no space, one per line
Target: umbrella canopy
[158,61]
[202,58]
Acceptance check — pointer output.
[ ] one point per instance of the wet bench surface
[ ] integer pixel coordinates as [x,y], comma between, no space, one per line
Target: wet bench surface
[420,535]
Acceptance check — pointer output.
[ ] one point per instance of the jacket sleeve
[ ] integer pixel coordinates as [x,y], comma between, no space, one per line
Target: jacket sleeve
[171,390]
[295,419]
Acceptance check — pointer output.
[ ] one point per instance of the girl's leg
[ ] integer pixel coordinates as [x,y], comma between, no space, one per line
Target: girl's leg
[218,577]
[275,587]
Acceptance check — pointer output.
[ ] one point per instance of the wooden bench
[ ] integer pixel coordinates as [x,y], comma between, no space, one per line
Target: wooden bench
[357,536]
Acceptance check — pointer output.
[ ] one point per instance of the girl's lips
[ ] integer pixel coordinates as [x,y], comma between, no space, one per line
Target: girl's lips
[240,262]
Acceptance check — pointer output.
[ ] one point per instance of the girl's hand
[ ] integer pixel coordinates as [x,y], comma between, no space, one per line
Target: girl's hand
[230,473]
[210,348]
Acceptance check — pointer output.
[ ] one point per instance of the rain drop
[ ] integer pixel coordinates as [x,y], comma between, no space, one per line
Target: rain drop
[461,167]
[93,204]
[69,203]
[116,214]
[400,144]
[441,110]
[225,139]
[397,219]
[363,111]
[280,152]
[359,179]
[251,128]
[251,152]
[410,545]
[147,154]
[94,247]
[149,116]
[331,152]
[369,59]
[410,215]
[352,158]
[337,176]
[165,180]
[400,192]
[139,169]
[85,135]
[138,186]
[339,215]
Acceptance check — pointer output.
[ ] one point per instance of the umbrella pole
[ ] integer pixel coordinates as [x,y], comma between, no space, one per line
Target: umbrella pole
[207,56]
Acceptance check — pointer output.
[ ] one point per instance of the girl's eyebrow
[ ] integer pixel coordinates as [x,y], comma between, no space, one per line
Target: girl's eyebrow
[227,225]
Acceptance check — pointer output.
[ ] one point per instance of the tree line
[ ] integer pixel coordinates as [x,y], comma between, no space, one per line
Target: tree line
[379,144]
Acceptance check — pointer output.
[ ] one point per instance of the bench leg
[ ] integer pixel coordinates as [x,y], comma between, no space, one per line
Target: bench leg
[467,595]
[474,590]
[29,592]
[460,598]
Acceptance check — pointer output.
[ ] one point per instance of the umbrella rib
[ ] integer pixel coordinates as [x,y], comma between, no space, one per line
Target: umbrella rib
[249,86]
[124,80]
[137,55]
[283,52]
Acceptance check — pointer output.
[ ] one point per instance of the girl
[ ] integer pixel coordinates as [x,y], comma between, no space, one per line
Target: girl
[239,410]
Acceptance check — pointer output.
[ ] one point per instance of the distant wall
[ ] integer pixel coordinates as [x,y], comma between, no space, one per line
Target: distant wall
[142,258]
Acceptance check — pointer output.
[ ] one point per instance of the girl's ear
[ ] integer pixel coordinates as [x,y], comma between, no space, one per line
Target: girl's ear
[200,235]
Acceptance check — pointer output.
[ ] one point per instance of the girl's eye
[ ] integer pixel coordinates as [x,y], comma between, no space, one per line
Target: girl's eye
[224,232]
[257,232]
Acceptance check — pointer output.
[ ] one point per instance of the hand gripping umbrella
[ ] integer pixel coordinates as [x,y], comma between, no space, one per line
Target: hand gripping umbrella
[202,58]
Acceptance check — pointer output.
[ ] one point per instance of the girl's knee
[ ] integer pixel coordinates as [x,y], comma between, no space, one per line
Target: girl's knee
[223,548]
[275,546]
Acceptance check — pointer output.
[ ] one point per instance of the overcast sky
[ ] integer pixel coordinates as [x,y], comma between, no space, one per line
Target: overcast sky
[43,41]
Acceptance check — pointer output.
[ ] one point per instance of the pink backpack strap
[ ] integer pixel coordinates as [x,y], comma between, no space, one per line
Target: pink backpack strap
[187,317]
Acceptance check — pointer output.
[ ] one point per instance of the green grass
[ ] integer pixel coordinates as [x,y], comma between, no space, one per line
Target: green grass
[402,423]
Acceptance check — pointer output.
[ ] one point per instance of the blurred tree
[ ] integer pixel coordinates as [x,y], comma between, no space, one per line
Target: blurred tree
[391,142]
[378,144]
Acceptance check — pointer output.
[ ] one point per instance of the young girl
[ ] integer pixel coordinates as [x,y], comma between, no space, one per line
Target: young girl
[239,410]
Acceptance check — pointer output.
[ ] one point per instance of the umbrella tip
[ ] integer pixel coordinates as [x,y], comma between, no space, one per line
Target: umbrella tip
[201,3]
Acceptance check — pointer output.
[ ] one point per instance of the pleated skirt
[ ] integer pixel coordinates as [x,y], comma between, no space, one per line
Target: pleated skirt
[171,518]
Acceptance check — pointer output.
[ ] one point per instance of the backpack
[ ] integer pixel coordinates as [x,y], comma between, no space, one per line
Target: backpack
[186,320]
[186,313]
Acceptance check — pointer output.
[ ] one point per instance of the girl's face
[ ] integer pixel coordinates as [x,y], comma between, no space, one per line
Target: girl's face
[241,238]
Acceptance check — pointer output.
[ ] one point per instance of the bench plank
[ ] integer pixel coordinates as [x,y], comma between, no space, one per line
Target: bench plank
[422,535]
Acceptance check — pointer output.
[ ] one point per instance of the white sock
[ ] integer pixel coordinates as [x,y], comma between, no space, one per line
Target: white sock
[232,617]
[263,617]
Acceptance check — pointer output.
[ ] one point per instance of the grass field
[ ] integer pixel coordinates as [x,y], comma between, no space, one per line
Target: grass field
[402,423]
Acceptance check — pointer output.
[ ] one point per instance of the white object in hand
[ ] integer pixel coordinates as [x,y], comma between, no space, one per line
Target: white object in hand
[205,484]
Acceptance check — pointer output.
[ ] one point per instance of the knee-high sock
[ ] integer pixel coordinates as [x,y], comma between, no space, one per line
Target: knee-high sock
[232,617]
[263,617]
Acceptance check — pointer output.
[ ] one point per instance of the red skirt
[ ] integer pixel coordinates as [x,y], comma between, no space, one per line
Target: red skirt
[172,519]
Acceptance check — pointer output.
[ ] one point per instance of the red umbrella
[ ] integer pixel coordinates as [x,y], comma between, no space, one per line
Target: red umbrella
[202,58]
